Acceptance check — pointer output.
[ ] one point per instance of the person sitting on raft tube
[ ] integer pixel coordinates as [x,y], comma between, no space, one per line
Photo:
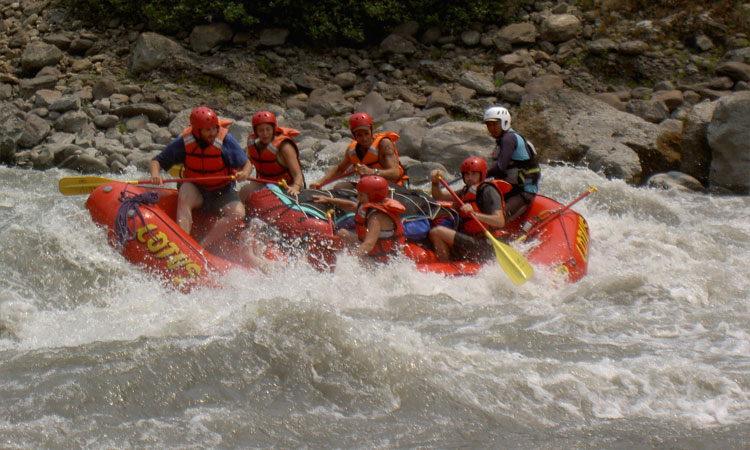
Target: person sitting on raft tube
[514,160]
[274,154]
[380,233]
[206,150]
[481,197]
[369,154]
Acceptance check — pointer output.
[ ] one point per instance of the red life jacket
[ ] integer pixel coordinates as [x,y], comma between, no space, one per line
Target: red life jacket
[267,161]
[207,162]
[372,156]
[390,240]
[469,196]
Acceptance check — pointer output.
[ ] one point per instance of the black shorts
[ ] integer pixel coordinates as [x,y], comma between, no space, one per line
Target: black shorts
[467,248]
[213,201]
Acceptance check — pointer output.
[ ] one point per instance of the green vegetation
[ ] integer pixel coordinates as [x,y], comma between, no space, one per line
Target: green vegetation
[322,22]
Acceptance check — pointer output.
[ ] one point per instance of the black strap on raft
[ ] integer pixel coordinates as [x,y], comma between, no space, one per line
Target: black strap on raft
[123,230]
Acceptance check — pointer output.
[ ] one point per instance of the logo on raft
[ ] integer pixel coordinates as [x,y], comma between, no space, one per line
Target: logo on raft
[161,247]
[582,246]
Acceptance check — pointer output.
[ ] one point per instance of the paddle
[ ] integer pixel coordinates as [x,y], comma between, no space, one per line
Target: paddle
[554,214]
[513,263]
[87,185]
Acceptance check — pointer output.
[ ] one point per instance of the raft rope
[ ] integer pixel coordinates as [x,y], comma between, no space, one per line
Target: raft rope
[130,208]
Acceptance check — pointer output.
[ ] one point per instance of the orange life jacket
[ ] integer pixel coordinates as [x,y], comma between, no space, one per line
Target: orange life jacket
[389,241]
[206,162]
[469,196]
[267,161]
[372,158]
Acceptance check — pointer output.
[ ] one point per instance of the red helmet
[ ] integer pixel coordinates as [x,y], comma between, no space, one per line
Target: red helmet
[203,117]
[474,164]
[264,117]
[360,119]
[375,186]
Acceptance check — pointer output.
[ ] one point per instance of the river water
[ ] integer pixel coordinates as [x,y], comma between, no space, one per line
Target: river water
[650,350]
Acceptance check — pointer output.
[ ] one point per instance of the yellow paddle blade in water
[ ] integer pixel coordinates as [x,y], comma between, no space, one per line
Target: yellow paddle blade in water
[517,268]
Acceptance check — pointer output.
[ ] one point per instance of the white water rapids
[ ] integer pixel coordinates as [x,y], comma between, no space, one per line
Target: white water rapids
[650,350]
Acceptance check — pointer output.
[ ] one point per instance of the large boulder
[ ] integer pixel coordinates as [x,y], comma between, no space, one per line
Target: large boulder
[154,51]
[451,143]
[11,131]
[696,153]
[566,125]
[39,54]
[411,131]
[728,136]
[205,37]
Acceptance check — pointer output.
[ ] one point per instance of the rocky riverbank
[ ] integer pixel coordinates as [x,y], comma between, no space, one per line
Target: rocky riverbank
[662,99]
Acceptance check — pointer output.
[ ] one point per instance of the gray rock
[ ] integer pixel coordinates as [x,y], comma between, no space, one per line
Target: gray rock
[478,83]
[560,27]
[564,125]
[397,44]
[653,111]
[328,101]
[728,136]
[519,33]
[153,50]
[205,37]
[106,120]
[39,54]
[411,131]
[675,180]
[34,132]
[71,121]
[66,103]
[155,113]
[453,142]
[375,105]
[734,69]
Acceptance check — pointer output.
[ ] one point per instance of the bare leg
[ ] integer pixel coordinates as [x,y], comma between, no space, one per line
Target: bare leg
[231,219]
[442,239]
[188,198]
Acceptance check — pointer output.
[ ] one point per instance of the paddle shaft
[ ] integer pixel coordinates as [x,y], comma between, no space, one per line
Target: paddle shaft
[513,263]
[187,180]
[460,202]
[554,215]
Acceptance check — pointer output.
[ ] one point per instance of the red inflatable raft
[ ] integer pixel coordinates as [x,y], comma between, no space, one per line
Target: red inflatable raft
[141,223]
[554,236]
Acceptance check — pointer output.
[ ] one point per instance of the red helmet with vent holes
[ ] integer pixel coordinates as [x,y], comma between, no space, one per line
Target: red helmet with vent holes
[203,117]
[360,119]
[264,117]
[475,164]
[375,186]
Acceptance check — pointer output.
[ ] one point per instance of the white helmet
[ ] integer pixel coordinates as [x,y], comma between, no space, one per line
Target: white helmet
[498,113]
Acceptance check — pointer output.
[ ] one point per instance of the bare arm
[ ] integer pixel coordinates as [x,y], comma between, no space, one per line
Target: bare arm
[387,159]
[436,191]
[374,226]
[289,155]
[341,203]
[335,171]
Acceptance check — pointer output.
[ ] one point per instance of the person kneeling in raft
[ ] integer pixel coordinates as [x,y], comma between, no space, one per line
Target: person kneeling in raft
[380,232]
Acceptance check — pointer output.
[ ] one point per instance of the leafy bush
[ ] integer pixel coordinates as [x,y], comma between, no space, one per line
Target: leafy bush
[323,22]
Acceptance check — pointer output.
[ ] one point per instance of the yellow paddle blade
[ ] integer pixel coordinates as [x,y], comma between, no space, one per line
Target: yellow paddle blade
[513,263]
[81,185]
